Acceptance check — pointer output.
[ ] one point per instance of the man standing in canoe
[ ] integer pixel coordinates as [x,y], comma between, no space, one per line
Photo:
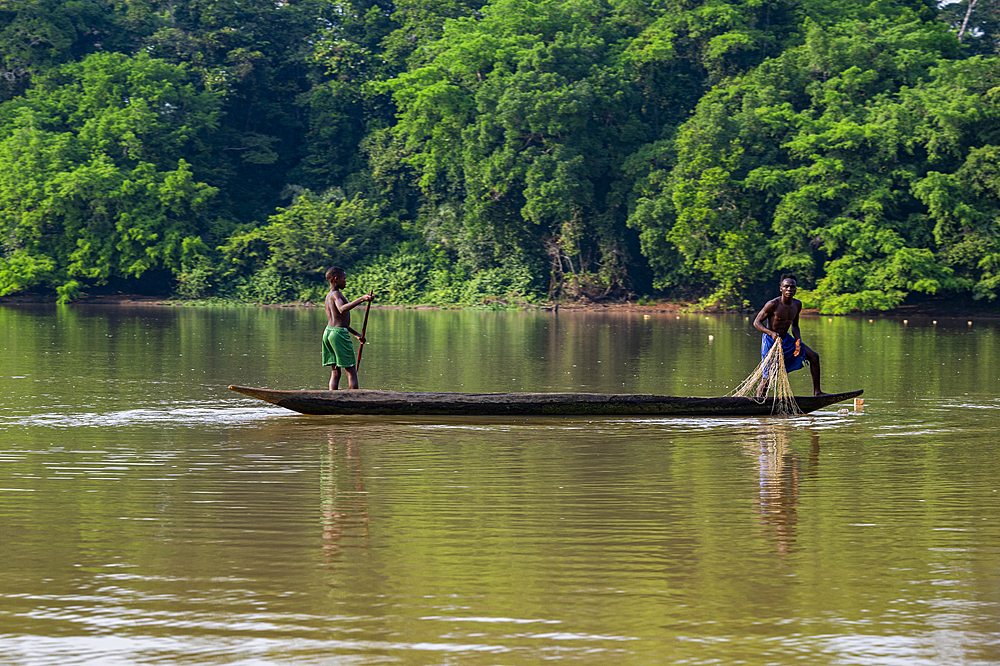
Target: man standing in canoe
[774,321]
[338,351]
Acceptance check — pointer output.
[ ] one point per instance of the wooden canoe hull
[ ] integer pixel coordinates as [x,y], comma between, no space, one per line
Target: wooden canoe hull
[414,403]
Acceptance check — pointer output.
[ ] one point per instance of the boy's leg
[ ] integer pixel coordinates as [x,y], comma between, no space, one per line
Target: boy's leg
[352,377]
[334,378]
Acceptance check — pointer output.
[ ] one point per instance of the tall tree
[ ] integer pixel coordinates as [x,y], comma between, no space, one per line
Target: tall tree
[976,24]
[92,187]
[258,55]
[520,121]
[811,158]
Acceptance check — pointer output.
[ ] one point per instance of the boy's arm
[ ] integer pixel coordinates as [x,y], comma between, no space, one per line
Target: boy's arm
[339,302]
[343,306]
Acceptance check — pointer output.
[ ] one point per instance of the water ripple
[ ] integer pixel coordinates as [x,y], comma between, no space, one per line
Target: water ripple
[157,418]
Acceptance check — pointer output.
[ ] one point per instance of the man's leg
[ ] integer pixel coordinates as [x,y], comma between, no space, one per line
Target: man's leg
[335,378]
[765,381]
[813,359]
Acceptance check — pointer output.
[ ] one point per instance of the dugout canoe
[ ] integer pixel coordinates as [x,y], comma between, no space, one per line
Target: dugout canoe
[414,403]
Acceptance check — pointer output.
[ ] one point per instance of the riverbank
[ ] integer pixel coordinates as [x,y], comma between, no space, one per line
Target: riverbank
[924,307]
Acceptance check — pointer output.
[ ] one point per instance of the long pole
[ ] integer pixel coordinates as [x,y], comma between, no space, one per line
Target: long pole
[364,328]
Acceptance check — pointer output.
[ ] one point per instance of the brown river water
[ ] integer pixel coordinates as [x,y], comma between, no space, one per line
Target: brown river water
[150,515]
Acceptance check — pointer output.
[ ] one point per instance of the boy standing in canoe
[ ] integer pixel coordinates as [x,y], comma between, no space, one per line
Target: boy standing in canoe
[338,351]
[774,321]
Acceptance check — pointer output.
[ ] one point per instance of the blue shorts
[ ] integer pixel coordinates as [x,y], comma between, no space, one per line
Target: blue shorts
[337,347]
[792,362]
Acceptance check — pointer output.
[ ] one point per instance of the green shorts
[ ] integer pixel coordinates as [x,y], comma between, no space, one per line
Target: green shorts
[337,347]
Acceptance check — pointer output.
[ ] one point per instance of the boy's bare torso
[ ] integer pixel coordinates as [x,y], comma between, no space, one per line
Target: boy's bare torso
[334,316]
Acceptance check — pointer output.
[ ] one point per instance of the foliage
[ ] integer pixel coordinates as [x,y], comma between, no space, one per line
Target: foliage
[266,286]
[966,208]
[502,151]
[414,276]
[398,279]
[519,121]
[90,188]
[196,281]
[312,234]
[512,285]
[815,163]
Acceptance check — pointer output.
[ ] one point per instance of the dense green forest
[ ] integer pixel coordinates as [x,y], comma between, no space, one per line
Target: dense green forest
[469,151]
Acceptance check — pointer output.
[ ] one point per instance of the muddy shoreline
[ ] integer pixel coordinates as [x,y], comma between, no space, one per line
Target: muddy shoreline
[938,307]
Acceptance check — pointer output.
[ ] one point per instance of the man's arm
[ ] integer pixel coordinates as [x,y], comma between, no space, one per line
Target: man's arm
[762,316]
[797,304]
[796,333]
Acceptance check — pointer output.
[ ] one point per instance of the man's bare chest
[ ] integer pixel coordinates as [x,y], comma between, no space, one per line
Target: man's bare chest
[784,313]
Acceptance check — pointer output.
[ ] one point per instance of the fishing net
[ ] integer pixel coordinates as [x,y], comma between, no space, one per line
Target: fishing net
[770,380]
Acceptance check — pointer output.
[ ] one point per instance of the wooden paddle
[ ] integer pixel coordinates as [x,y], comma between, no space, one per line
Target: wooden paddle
[364,328]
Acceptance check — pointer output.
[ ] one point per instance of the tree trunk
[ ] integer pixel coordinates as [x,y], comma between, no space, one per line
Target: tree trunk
[965,21]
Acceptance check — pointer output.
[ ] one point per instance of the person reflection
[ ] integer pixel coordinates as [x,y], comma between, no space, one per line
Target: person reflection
[343,498]
[780,478]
